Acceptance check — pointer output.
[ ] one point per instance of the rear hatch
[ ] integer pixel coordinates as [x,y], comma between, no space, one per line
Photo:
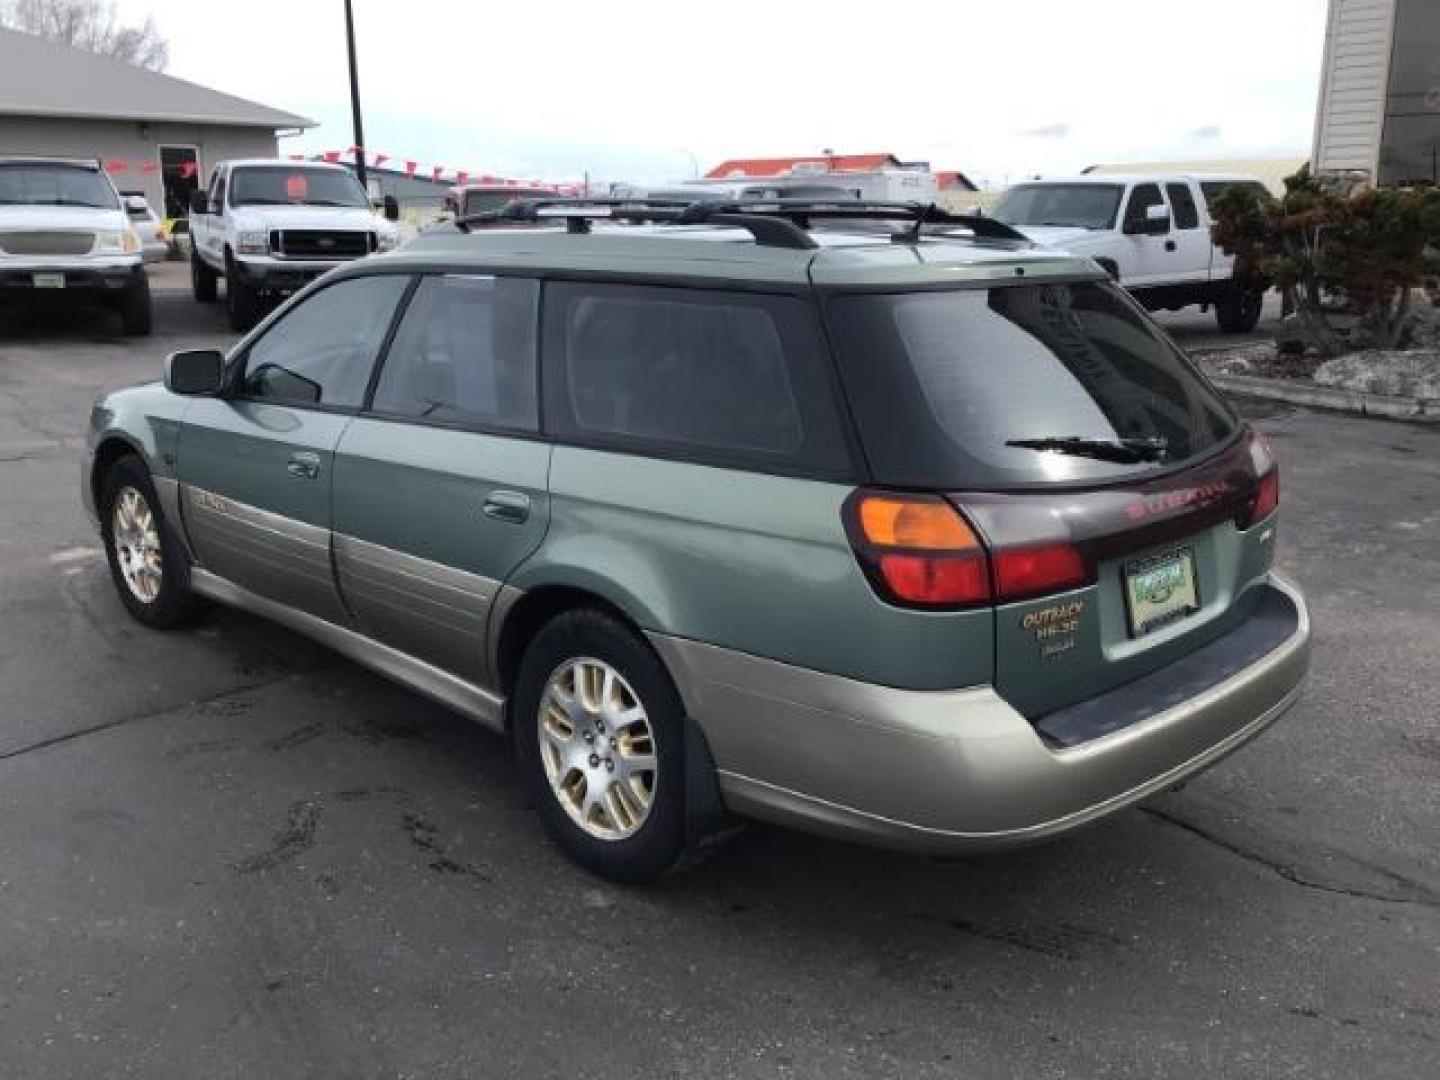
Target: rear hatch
[1118,497]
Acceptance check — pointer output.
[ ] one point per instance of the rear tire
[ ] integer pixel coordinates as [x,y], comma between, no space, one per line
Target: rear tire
[146,563]
[202,278]
[1238,310]
[599,730]
[137,312]
[242,300]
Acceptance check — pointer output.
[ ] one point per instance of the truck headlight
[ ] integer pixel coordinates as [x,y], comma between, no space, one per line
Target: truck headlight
[118,242]
[253,242]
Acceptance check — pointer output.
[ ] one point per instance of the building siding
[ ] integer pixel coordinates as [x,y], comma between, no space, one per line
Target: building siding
[133,143]
[1351,114]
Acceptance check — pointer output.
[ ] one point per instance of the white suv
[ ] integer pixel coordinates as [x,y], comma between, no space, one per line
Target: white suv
[1151,232]
[64,233]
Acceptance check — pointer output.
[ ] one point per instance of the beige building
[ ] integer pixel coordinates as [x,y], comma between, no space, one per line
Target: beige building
[1379,107]
[160,134]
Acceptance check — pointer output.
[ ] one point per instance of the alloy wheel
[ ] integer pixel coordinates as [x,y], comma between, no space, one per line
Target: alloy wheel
[136,538]
[598,748]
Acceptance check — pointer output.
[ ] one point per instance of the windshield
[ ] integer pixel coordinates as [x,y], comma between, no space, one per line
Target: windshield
[482,202]
[283,185]
[949,387]
[1083,206]
[54,185]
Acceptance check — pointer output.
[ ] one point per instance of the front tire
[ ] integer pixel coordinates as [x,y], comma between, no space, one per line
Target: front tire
[137,312]
[202,278]
[146,563]
[598,729]
[242,300]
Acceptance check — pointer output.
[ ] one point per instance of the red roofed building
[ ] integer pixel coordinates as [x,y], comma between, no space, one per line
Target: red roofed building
[770,168]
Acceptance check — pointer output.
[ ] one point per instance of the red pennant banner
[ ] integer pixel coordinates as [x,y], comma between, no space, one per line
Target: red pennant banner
[380,159]
[461,177]
[410,167]
[115,165]
[435,173]
[332,156]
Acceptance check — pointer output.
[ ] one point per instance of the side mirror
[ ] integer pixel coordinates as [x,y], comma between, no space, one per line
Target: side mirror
[199,202]
[195,372]
[136,204]
[1157,221]
[391,208]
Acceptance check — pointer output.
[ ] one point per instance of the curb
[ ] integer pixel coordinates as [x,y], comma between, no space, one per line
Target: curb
[1388,406]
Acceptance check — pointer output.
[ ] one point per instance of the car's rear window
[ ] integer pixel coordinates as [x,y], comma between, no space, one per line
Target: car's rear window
[941,383]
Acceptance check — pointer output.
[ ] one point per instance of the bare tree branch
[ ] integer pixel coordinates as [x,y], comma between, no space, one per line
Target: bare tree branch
[90,25]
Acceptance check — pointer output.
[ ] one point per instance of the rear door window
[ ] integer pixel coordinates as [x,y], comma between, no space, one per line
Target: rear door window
[1182,203]
[944,383]
[464,354]
[699,374]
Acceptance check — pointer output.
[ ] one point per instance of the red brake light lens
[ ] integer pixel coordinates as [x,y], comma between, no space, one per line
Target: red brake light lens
[1025,572]
[936,581]
[1267,496]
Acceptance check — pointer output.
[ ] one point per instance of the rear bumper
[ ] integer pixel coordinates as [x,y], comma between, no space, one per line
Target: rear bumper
[950,772]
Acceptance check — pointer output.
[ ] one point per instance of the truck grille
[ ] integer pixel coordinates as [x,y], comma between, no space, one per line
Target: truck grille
[46,243]
[321,244]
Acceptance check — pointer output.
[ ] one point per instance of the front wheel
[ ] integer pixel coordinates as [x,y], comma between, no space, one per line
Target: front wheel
[137,313]
[599,737]
[242,300]
[145,560]
[1238,311]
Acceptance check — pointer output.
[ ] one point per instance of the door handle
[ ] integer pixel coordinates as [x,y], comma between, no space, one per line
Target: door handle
[1169,245]
[303,465]
[511,506]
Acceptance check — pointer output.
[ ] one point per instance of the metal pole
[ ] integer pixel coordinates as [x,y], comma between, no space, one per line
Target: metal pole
[355,98]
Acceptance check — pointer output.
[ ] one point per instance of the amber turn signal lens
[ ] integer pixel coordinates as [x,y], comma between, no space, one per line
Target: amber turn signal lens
[923,524]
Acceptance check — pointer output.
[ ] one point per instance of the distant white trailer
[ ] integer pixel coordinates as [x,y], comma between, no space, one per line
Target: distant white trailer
[889,185]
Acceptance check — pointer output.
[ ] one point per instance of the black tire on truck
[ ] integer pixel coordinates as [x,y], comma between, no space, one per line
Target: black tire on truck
[202,278]
[1238,309]
[137,313]
[242,300]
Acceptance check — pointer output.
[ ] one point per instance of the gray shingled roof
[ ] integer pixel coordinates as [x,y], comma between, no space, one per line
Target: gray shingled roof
[41,78]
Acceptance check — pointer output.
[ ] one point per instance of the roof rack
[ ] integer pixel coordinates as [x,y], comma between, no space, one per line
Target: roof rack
[772,222]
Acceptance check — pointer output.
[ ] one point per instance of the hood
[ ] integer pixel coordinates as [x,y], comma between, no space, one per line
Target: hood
[1063,237]
[355,218]
[62,218]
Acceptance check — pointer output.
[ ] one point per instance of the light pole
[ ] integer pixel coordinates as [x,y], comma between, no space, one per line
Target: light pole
[355,99]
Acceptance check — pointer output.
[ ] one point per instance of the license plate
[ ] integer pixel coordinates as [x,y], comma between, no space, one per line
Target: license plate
[1160,590]
[49,281]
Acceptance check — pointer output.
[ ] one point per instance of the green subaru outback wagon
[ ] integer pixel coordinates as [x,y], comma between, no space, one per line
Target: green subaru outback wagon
[863,519]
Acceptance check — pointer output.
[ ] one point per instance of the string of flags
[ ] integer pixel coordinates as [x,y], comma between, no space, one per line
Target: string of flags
[436,173]
[187,170]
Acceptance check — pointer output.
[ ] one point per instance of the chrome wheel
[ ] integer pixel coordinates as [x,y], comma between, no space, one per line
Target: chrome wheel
[598,748]
[136,537]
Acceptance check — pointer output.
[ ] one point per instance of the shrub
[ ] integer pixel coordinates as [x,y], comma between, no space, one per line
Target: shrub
[1347,261]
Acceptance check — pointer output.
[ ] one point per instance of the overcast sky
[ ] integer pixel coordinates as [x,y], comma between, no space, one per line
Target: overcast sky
[644,90]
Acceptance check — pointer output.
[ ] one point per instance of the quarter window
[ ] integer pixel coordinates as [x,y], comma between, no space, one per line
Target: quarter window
[701,374]
[322,351]
[1182,203]
[464,353]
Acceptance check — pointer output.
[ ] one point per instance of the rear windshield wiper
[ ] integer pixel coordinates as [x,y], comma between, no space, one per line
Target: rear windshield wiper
[1124,451]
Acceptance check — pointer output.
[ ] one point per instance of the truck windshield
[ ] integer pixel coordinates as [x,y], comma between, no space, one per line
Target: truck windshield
[1079,206]
[1019,385]
[283,185]
[54,185]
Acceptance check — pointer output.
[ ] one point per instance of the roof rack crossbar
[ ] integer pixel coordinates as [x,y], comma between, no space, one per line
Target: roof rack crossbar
[773,222]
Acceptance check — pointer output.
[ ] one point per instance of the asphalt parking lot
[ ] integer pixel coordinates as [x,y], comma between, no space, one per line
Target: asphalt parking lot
[229,853]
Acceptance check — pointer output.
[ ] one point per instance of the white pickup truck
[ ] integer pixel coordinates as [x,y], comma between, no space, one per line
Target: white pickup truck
[1151,232]
[64,234]
[269,227]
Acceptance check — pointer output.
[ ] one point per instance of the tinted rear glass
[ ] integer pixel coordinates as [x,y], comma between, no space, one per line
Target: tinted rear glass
[940,382]
[42,184]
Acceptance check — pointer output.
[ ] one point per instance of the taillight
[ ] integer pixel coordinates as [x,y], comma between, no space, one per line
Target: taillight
[917,550]
[1267,493]
[1024,572]
[920,551]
